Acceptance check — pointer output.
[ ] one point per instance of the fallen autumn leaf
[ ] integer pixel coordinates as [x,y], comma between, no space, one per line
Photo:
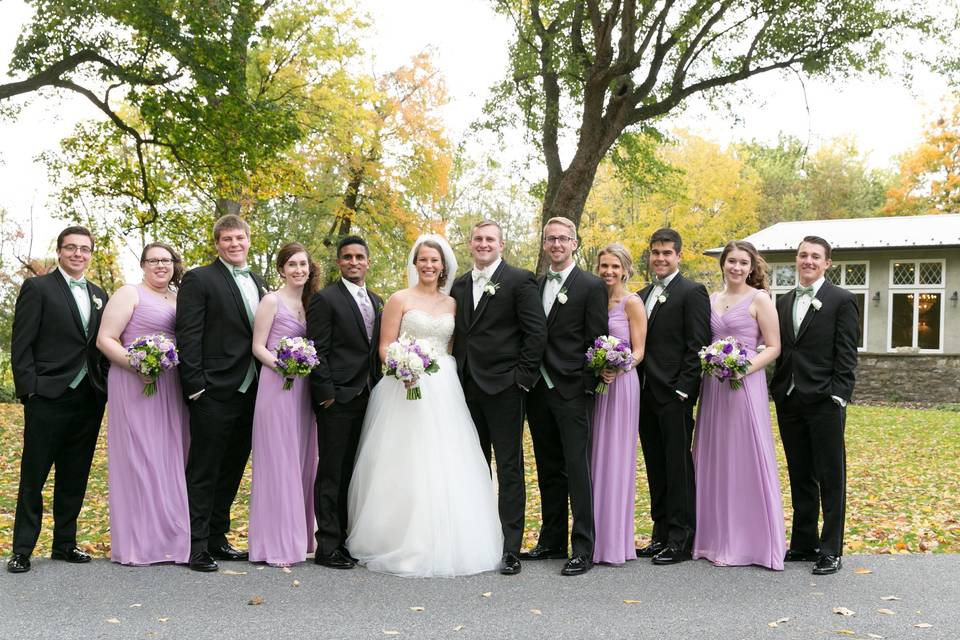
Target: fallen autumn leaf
[255,600]
[843,611]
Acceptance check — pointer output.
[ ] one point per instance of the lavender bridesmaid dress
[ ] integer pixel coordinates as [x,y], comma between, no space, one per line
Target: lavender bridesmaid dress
[739,509]
[285,458]
[147,441]
[613,458]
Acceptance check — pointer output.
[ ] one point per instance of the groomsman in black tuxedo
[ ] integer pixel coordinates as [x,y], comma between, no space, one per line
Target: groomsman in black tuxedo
[811,386]
[60,377]
[561,403]
[678,325]
[342,321]
[214,326]
[498,343]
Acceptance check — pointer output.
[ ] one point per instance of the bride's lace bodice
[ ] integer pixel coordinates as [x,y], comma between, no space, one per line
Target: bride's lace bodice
[424,326]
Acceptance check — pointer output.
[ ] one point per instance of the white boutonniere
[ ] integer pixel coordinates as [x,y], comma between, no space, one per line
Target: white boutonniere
[816,304]
[662,297]
[97,302]
[491,288]
[562,296]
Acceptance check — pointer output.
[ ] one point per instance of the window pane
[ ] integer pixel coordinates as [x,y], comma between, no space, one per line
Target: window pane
[785,275]
[901,320]
[931,273]
[928,321]
[903,272]
[861,299]
[856,275]
[832,275]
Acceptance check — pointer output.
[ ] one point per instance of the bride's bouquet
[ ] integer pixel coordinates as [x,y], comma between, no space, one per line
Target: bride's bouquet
[150,356]
[725,360]
[608,353]
[296,358]
[408,359]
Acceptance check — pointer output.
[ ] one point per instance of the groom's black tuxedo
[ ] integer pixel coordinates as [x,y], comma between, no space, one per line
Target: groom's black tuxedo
[215,338]
[560,416]
[676,330]
[346,371]
[48,349]
[816,362]
[498,347]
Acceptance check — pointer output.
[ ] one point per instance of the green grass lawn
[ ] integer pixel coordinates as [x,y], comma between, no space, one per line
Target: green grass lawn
[903,485]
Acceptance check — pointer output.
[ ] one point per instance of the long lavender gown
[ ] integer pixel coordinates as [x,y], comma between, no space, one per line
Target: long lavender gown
[613,458]
[282,520]
[739,509]
[147,441]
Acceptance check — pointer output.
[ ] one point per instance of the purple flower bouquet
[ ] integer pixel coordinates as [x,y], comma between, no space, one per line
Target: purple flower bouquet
[150,356]
[296,358]
[726,360]
[608,353]
[408,359]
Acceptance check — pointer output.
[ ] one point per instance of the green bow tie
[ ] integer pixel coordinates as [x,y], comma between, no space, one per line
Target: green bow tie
[241,271]
[78,283]
[804,291]
[553,275]
[659,282]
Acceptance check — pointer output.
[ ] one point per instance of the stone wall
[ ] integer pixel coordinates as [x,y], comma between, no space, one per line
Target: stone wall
[927,378]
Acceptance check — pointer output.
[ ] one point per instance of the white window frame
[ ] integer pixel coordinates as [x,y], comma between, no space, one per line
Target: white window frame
[916,288]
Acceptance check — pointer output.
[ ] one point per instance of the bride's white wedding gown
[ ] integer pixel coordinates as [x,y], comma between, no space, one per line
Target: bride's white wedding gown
[421,501]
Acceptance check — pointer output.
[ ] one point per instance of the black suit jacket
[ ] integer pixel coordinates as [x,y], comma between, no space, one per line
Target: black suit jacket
[676,330]
[48,346]
[572,327]
[214,335]
[502,340]
[347,358]
[821,357]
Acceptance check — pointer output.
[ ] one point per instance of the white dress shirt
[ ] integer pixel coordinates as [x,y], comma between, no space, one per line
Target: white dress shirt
[247,286]
[655,292]
[80,294]
[552,289]
[481,282]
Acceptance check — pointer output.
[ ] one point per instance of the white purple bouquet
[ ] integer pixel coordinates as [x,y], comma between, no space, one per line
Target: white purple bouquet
[408,359]
[608,353]
[296,358]
[150,356]
[725,360]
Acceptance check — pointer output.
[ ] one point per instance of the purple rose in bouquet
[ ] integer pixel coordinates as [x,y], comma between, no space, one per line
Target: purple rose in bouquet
[408,359]
[608,353]
[150,356]
[295,358]
[726,360]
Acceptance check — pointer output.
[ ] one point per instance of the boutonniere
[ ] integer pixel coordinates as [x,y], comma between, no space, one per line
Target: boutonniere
[97,302]
[816,304]
[562,296]
[379,307]
[491,288]
[662,297]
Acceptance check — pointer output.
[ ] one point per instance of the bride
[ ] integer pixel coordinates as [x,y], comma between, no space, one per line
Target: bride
[421,501]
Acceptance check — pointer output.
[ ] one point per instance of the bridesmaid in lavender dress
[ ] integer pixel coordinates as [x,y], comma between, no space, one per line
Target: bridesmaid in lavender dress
[284,429]
[739,509]
[613,459]
[147,437]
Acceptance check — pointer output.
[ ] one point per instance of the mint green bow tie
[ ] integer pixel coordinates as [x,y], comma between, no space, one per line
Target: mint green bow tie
[804,291]
[241,271]
[78,283]
[659,282]
[552,275]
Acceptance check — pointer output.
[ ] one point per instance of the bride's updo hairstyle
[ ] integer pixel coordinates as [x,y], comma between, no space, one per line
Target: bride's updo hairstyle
[759,270]
[442,280]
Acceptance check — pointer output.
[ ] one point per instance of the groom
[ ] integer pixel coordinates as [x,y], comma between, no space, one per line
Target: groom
[811,386]
[560,404]
[499,339]
[342,321]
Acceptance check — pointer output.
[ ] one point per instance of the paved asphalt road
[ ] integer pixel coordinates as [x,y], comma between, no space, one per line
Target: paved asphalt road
[692,600]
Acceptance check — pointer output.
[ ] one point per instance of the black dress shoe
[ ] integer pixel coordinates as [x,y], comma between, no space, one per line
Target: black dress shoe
[70,554]
[227,551]
[541,552]
[669,555]
[795,555]
[827,565]
[651,549]
[510,564]
[576,566]
[346,552]
[335,560]
[19,563]
[203,561]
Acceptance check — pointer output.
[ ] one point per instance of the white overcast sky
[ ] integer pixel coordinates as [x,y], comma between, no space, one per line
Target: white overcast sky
[471,45]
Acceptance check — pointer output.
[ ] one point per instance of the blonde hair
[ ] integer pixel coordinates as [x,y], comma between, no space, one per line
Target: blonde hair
[567,222]
[620,252]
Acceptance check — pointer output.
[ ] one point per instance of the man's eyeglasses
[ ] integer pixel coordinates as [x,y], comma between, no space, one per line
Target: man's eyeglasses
[72,248]
[166,262]
[560,239]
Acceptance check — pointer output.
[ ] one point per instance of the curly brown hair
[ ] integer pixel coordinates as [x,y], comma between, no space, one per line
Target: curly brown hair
[759,270]
[312,285]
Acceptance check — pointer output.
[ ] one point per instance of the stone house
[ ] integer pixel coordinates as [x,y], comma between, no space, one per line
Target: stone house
[905,274]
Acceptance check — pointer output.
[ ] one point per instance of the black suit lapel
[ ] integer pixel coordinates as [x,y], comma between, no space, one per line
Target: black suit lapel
[786,324]
[811,312]
[72,302]
[484,297]
[565,289]
[94,321]
[354,306]
[231,284]
[666,290]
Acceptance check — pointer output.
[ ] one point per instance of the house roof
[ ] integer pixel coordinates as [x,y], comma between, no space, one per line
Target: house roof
[861,233]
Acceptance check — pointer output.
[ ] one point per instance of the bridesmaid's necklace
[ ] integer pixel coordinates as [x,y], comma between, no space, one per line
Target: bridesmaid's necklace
[165,293]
